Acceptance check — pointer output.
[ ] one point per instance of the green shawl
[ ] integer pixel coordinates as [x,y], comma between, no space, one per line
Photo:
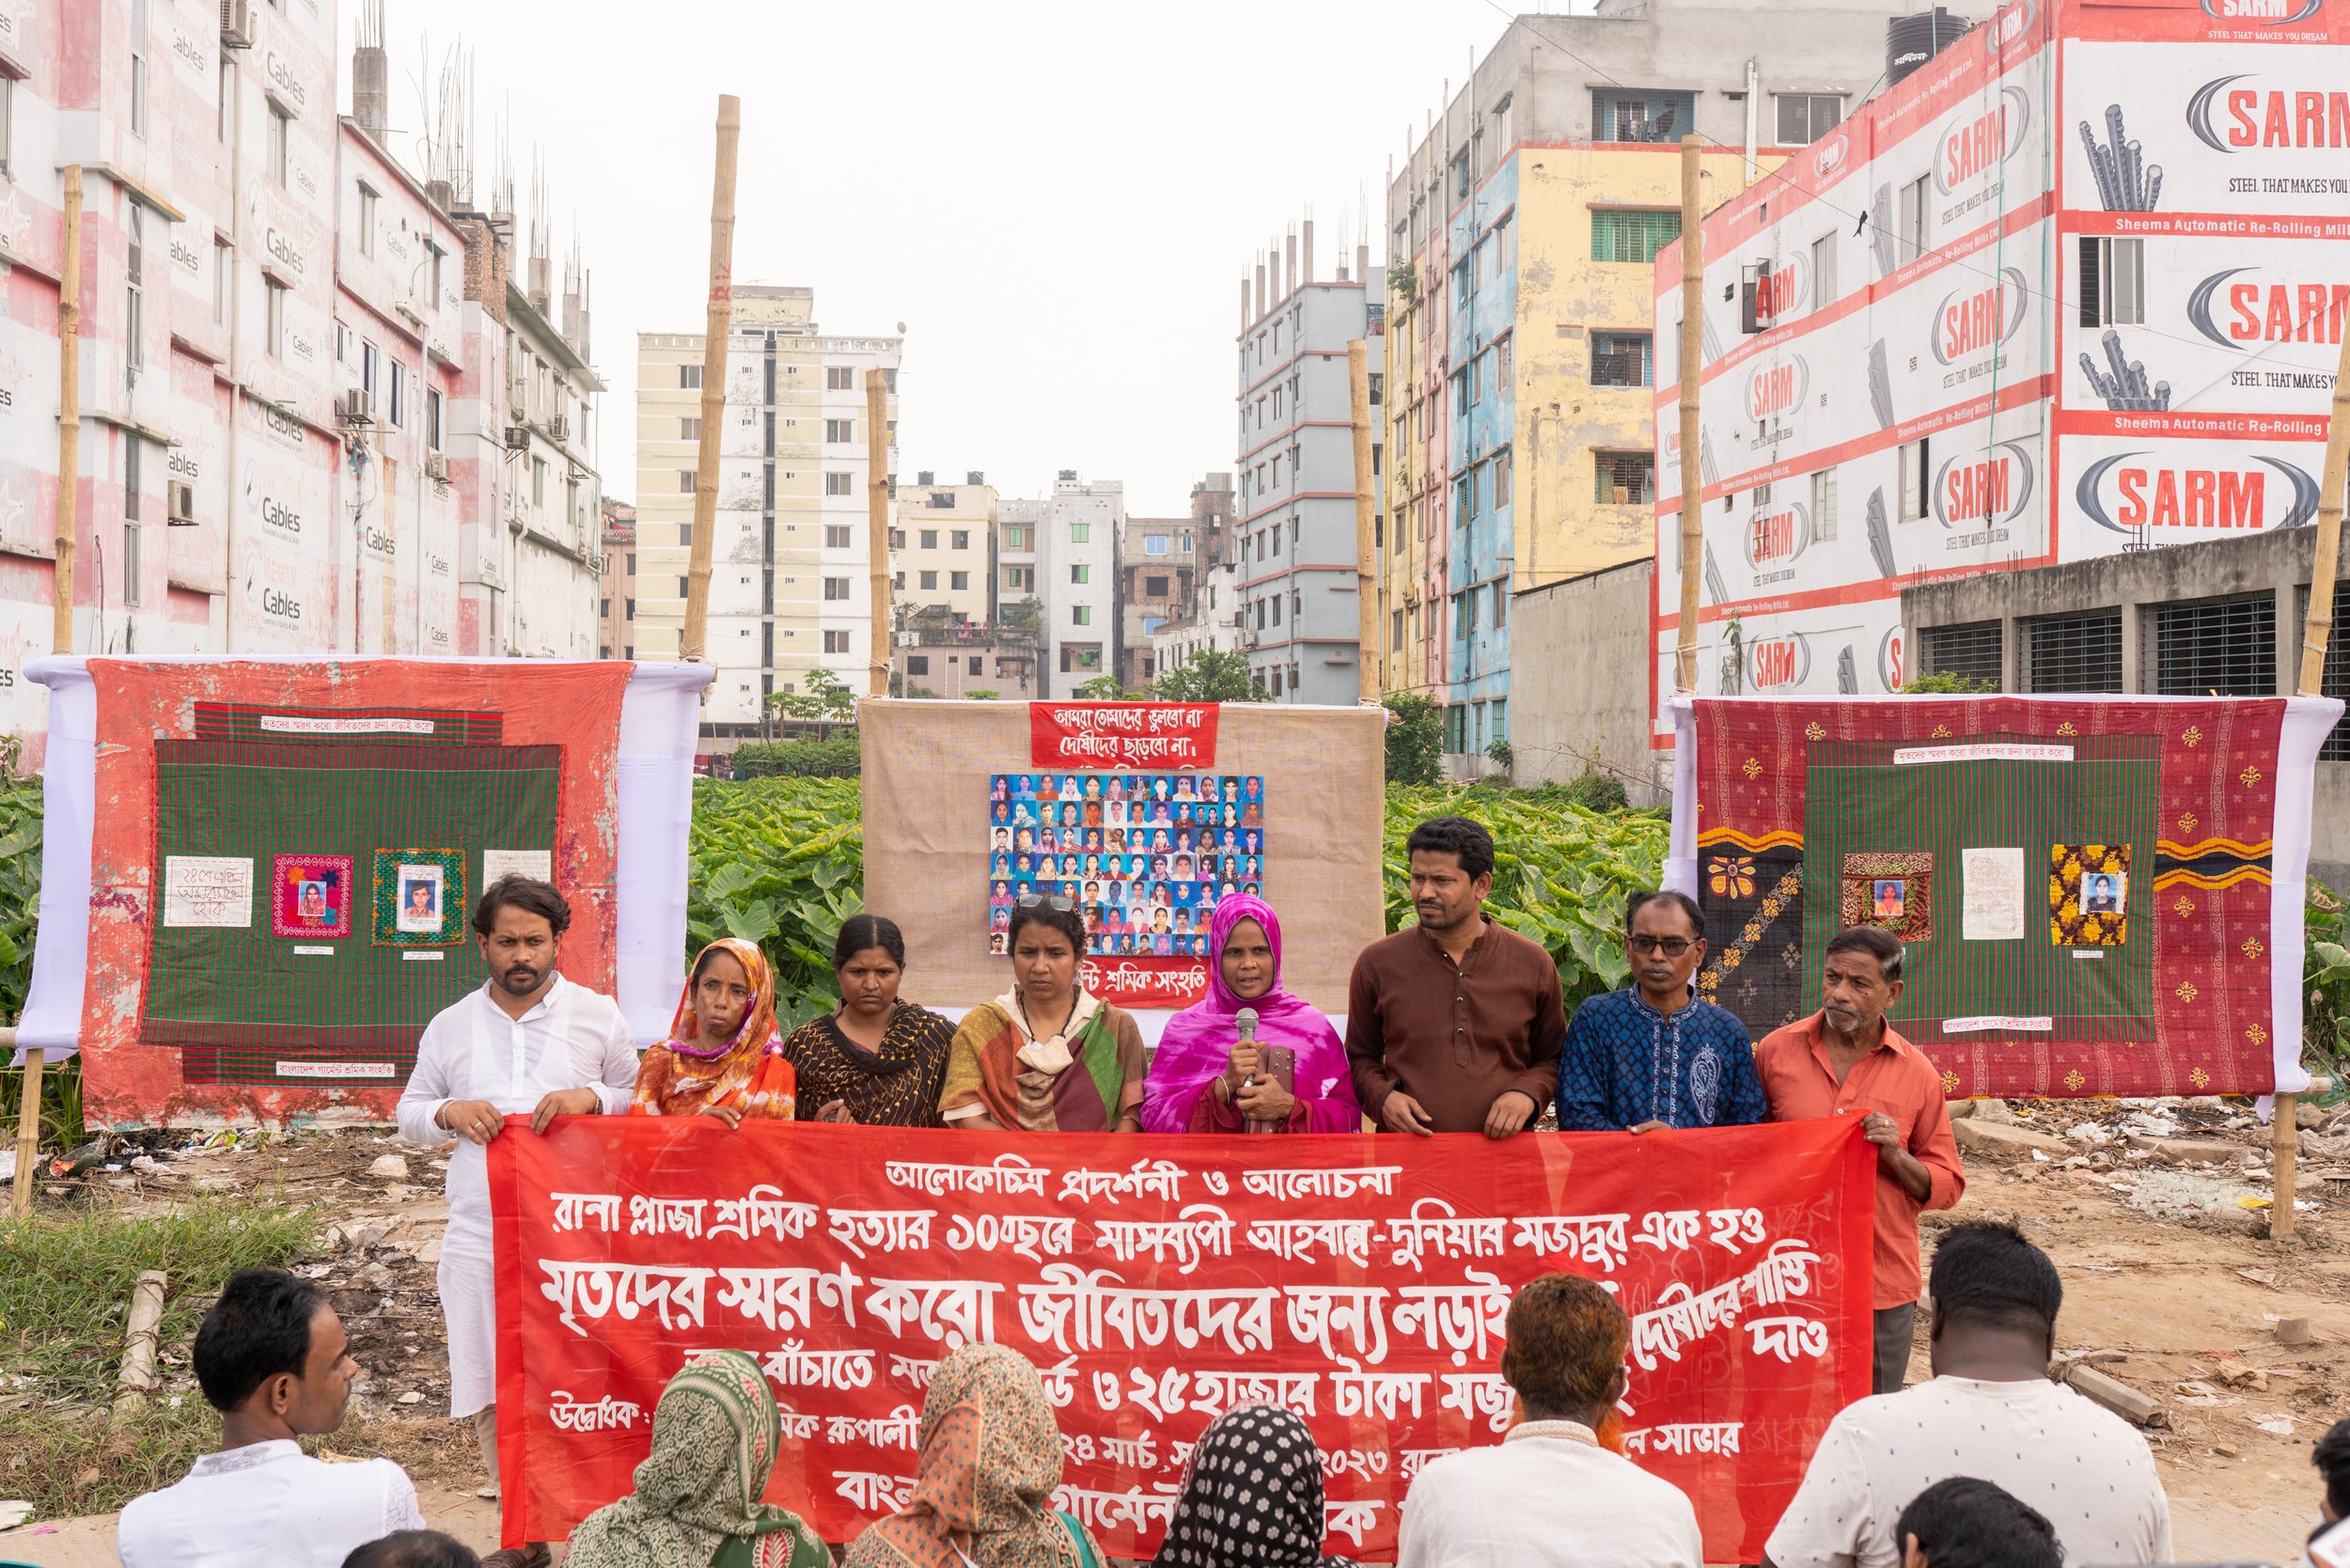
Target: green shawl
[715,1436]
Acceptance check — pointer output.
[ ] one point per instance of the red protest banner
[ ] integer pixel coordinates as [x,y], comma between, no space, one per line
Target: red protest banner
[1122,734]
[1155,1281]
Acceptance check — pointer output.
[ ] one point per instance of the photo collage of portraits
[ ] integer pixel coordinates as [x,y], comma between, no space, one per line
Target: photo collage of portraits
[1145,857]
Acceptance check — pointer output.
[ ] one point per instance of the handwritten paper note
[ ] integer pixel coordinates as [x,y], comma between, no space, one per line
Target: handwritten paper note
[208,890]
[1991,888]
[533,863]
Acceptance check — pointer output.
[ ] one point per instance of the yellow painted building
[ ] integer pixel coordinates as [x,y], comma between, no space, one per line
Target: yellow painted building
[1520,366]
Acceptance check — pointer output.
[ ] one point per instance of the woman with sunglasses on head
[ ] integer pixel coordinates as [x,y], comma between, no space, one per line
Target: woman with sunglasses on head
[1046,1056]
[1655,1055]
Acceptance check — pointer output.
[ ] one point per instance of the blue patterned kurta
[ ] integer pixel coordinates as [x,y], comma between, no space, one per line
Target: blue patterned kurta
[1626,1063]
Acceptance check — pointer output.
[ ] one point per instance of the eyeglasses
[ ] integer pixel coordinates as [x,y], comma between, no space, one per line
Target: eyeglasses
[1672,947]
[1036,901]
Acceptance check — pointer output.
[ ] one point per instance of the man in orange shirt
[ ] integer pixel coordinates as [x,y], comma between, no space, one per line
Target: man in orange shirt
[1846,1059]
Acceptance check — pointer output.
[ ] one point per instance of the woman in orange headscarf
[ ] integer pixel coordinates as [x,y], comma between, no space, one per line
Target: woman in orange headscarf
[723,1057]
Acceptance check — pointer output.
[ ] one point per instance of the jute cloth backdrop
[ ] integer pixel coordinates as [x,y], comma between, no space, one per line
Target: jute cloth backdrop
[926,833]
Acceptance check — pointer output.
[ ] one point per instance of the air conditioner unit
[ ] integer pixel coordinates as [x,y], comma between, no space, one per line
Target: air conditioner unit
[560,428]
[518,438]
[358,407]
[236,24]
[181,503]
[436,467]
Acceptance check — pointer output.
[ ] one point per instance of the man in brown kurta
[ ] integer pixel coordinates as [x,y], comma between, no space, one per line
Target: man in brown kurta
[1454,1025]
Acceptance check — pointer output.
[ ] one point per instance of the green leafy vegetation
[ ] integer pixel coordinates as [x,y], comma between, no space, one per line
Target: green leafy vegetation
[780,862]
[1210,675]
[2326,985]
[830,758]
[1944,684]
[1414,739]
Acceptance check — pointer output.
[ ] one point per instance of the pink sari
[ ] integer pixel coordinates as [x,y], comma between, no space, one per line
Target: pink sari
[1197,1044]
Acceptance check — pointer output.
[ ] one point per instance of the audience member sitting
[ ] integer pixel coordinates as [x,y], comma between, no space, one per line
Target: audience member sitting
[1966,1523]
[695,1502]
[990,1457]
[1252,1497]
[1990,1412]
[272,1358]
[414,1548]
[1549,1495]
[2329,1543]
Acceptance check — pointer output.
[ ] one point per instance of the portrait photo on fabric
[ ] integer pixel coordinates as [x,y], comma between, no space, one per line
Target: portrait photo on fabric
[312,897]
[419,899]
[1146,857]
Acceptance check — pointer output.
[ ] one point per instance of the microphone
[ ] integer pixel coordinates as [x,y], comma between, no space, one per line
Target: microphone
[1245,1021]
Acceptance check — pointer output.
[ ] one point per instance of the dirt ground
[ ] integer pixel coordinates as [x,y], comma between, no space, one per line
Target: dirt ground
[2152,1213]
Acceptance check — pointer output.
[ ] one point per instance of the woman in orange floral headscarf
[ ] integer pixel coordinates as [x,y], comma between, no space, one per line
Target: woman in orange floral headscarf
[723,1057]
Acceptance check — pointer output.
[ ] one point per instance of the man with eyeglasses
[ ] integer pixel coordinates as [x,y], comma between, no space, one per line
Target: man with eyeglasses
[1655,1055]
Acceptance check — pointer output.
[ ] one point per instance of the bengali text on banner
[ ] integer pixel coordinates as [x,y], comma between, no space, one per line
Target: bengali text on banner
[1361,1281]
[1115,735]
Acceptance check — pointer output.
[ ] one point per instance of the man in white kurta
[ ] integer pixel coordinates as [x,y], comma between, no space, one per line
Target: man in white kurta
[530,1042]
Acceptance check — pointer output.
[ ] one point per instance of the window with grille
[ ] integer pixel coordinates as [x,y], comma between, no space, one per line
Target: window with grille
[2223,646]
[1632,234]
[837,536]
[1622,359]
[839,484]
[1634,115]
[2074,652]
[1624,479]
[1971,651]
[841,431]
[1804,118]
[2113,281]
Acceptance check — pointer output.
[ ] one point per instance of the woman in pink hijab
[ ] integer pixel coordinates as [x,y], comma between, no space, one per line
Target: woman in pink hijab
[1203,1080]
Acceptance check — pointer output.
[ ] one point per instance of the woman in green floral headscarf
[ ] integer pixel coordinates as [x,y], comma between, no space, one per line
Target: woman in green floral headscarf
[697,1505]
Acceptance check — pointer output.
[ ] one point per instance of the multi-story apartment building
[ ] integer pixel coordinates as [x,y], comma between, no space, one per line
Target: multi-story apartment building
[1210,618]
[617,606]
[790,584]
[1520,354]
[1063,548]
[1157,558]
[399,324]
[250,260]
[1294,528]
[942,551]
[551,491]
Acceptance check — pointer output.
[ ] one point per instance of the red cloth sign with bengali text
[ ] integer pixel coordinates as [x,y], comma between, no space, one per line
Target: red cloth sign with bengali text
[1155,1281]
[1110,735]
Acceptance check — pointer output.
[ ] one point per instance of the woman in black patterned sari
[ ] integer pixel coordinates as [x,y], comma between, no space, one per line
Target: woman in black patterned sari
[876,1059]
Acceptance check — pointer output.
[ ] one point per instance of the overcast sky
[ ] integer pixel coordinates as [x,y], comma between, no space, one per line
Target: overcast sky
[1056,199]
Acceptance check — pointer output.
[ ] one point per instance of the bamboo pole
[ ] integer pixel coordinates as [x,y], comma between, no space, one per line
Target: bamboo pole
[2316,632]
[716,329]
[138,1377]
[61,594]
[1692,342]
[1366,544]
[877,527]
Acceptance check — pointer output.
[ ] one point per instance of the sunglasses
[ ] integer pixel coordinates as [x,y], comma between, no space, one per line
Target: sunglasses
[1672,947]
[1054,901]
